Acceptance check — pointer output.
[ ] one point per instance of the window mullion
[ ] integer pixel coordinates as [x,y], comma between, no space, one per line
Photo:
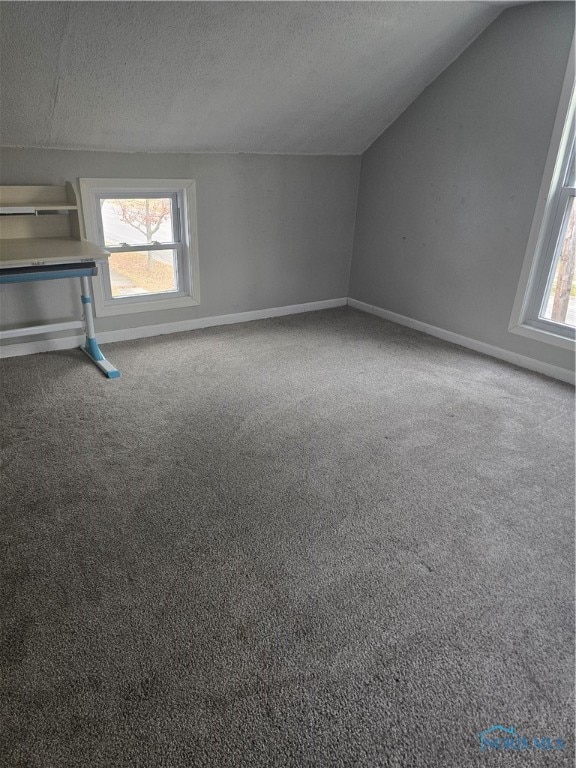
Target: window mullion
[176,218]
[144,247]
[182,267]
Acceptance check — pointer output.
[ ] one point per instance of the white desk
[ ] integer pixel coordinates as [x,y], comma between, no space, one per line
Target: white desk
[49,258]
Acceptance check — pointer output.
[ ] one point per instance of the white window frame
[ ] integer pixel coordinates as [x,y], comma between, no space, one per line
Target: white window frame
[183,194]
[547,229]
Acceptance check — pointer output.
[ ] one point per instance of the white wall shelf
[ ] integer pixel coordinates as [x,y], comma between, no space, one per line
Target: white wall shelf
[48,250]
[12,208]
[42,247]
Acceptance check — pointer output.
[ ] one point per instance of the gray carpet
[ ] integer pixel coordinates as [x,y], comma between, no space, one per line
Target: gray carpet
[321,540]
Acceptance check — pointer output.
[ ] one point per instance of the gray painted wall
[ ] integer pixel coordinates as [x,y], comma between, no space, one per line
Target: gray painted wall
[448,192]
[273,230]
[445,204]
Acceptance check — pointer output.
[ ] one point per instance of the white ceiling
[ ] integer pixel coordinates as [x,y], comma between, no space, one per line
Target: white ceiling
[303,77]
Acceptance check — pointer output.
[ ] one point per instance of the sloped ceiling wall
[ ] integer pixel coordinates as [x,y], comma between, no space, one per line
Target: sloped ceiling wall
[317,78]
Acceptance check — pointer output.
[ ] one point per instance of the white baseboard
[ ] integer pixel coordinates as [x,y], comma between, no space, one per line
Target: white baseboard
[530,363]
[143,331]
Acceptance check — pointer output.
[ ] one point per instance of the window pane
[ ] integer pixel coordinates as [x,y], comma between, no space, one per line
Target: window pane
[137,221]
[137,273]
[560,303]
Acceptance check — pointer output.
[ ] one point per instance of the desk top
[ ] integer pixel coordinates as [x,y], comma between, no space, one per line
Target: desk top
[48,250]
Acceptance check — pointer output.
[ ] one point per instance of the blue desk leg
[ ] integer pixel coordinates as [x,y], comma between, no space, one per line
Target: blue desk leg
[91,347]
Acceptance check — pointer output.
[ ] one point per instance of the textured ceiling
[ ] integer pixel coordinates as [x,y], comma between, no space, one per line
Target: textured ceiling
[305,77]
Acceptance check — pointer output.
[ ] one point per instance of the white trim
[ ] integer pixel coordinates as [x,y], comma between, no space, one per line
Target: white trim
[145,304]
[463,341]
[541,334]
[540,229]
[144,331]
[35,330]
[184,188]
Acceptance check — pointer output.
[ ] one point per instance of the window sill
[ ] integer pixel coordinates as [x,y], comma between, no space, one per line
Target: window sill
[547,336]
[119,307]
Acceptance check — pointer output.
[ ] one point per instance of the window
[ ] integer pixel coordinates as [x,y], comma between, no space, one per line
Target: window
[559,303]
[149,227]
[545,306]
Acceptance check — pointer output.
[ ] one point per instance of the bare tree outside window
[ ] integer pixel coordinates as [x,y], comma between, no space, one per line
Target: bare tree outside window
[146,216]
[564,284]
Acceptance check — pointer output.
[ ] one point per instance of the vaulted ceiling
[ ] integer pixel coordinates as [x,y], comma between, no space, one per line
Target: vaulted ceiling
[278,77]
